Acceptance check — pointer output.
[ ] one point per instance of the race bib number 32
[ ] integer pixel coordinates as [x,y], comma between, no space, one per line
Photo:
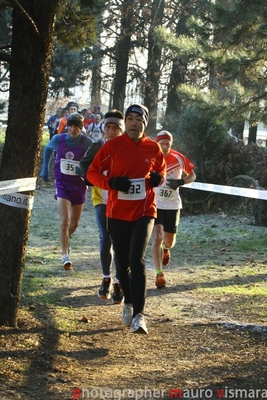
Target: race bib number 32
[137,190]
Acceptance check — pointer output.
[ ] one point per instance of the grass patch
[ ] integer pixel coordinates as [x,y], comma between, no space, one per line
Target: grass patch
[252,242]
[247,280]
[211,235]
[240,290]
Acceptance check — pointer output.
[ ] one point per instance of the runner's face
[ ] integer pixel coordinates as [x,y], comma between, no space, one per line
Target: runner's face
[111,131]
[73,109]
[134,126]
[74,131]
[165,145]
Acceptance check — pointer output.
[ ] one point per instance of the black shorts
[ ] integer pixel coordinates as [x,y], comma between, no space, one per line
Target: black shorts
[169,219]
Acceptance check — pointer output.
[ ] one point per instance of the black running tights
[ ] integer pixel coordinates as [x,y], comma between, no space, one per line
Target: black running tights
[130,240]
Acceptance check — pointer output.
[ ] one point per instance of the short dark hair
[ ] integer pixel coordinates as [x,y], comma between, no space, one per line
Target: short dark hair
[72,104]
[114,114]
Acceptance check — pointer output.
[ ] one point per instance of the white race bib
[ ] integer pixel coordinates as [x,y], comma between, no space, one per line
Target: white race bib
[137,190]
[165,193]
[68,167]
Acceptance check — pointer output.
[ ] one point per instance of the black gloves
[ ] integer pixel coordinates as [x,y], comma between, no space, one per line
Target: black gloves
[121,183]
[155,178]
[175,183]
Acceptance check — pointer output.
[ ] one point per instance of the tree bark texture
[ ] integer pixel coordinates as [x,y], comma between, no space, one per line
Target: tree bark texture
[96,77]
[153,73]
[252,132]
[177,76]
[123,48]
[32,39]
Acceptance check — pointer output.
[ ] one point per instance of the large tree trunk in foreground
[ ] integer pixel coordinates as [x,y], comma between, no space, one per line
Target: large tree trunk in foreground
[32,37]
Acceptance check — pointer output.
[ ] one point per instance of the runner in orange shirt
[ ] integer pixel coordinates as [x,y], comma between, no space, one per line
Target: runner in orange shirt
[72,107]
[130,166]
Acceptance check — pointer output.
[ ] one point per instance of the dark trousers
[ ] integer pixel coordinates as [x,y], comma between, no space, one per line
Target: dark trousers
[130,240]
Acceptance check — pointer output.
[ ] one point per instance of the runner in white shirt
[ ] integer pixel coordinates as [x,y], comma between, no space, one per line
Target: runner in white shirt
[96,129]
[168,204]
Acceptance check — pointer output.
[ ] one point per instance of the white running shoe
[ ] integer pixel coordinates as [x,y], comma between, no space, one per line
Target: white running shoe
[139,324]
[127,314]
[67,264]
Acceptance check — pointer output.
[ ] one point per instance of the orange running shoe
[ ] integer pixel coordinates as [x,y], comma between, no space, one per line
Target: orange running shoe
[160,281]
[67,264]
[166,257]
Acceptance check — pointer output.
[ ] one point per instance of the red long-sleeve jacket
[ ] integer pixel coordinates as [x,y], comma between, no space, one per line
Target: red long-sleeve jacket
[122,156]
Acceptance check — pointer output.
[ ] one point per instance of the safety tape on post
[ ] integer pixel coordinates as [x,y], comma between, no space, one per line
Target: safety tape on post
[232,190]
[10,197]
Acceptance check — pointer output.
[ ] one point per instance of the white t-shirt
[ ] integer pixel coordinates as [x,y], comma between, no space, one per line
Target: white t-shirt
[167,198]
[96,131]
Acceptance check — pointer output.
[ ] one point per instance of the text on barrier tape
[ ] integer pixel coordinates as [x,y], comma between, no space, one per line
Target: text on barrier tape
[10,197]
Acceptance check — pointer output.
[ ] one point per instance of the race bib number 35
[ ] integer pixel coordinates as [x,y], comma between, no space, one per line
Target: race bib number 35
[68,167]
[137,190]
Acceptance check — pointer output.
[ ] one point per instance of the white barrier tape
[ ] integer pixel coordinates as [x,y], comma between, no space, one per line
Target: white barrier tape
[235,191]
[17,200]
[17,185]
[9,197]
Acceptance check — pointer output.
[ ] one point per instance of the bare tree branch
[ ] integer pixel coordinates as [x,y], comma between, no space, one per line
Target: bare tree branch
[24,12]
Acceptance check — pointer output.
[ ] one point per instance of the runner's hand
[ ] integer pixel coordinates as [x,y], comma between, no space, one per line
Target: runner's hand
[175,183]
[155,178]
[121,183]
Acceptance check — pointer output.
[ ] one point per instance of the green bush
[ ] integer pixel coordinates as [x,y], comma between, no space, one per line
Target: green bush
[203,139]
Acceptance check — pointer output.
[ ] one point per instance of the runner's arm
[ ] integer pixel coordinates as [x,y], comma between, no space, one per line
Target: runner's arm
[101,163]
[49,148]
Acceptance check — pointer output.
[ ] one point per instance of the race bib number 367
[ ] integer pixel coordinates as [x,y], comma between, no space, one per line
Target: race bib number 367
[137,190]
[165,193]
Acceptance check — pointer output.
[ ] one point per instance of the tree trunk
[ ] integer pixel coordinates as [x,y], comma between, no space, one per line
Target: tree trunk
[151,85]
[238,129]
[96,77]
[32,39]
[122,56]
[120,79]
[179,68]
[252,134]
[174,103]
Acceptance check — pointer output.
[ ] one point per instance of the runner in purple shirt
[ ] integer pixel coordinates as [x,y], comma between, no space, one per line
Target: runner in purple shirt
[70,185]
